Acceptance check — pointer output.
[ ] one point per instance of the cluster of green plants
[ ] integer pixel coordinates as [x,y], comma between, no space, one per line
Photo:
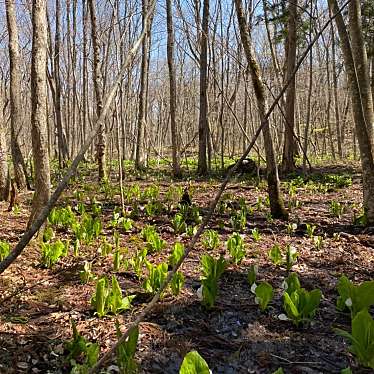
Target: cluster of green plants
[63,217]
[154,242]
[358,299]
[52,252]
[82,354]
[283,256]
[210,240]
[109,299]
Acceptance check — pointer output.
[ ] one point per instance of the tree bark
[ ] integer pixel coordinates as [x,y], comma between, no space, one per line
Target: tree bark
[361,63]
[4,186]
[98,86]
[143,94]
[172,90]
[20,170]
[63,153]
[202,166]
[358,106]
[39,109]
[276,202]
[289,149]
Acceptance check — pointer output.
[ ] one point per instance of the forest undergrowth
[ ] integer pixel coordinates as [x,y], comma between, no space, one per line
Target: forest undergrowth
[98,263]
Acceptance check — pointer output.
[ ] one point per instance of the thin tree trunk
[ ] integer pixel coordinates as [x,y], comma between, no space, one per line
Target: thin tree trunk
[63,153]
[289,150]
[39,109]
[172,90]
[4,190]
[202,167]
[275,196]
[20,170]
[142,112]
[97,81]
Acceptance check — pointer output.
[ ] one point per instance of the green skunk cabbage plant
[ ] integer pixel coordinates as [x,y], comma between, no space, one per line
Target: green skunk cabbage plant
[300,305]
[193,363]
[255,233]
[361,338]
[156,276]
[176,254]
[177,283]
[52,252]
[252,274]
[137,261]
[291,256]
[155,243]
[235,245]
[4,250]
[238,220]
[178,223]
[264,294]
[212,271]
[354,297]
[108,299]
[275,255]
[211,239]
[86,274]
[79,347]
[126,351]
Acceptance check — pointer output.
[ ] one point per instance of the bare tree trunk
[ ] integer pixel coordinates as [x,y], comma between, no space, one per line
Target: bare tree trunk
[289,149]
[355,81]
[275,196]
[20,173]
[202,167]
[97,81]
[142,113]
[39,109]
[361,63]
[336,97]
[4,190]
[63,153]
[172,90]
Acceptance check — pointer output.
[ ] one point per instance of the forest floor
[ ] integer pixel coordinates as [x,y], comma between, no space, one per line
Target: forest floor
[37,304]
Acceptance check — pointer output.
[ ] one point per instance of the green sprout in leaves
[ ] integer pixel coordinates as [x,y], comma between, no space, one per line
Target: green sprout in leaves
[126,351]
[193,363]
[176,254]
[236,247]
[4,250]
[354,297]
[212,271]
[256,236]
[275,255]
[211,239]
[264,294]
[361,338]
[178,223]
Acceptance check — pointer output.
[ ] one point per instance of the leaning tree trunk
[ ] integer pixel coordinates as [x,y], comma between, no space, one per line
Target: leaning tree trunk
[39,109]
[19,165]
[98,85]
[172,90]
[355,81]
[4,190]
[276,202]
[202,167]
[289,149]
